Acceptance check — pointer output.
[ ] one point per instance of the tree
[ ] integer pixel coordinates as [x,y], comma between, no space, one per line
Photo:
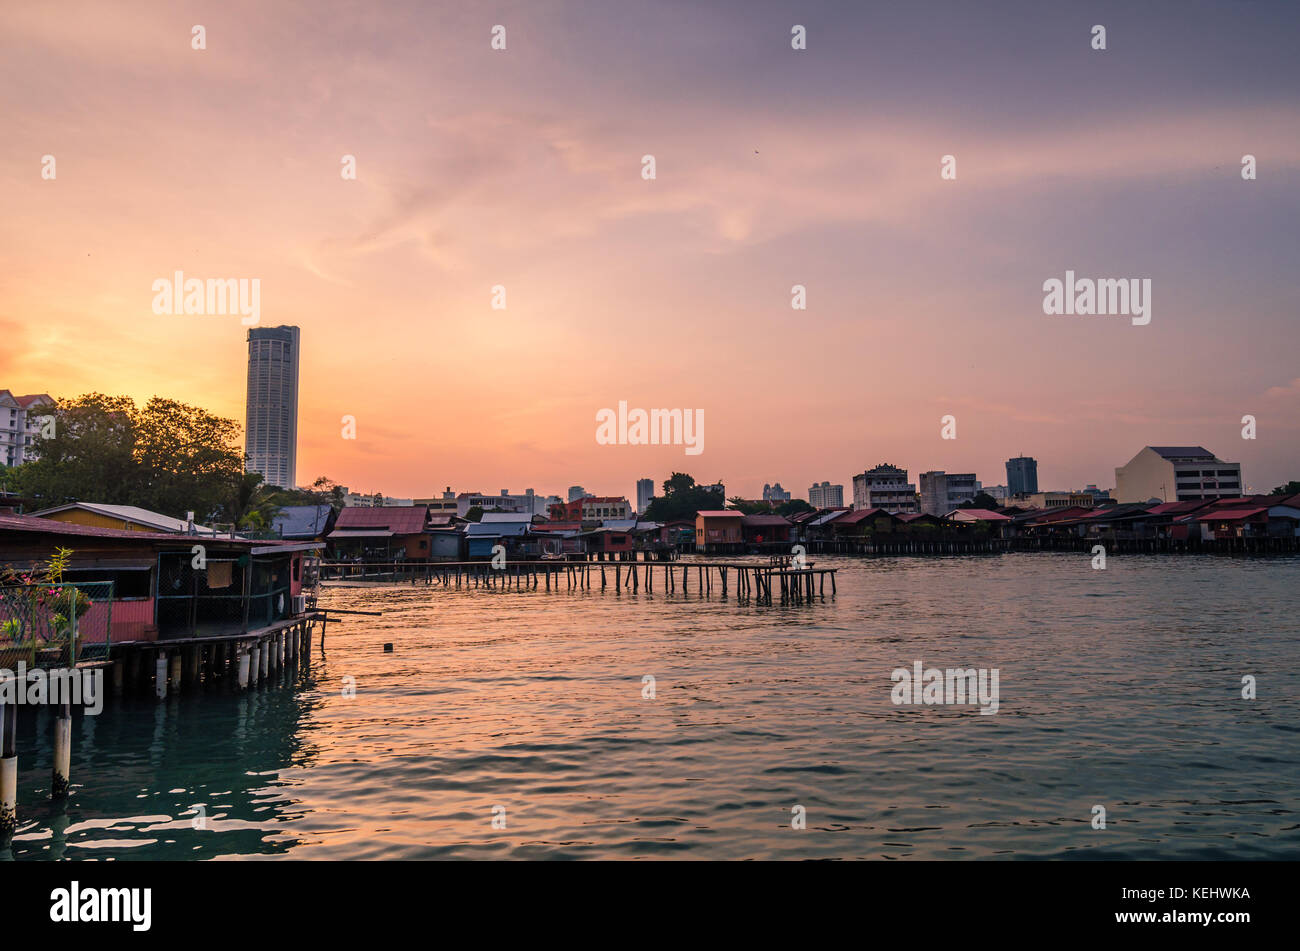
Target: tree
[91,454]
[794,507]
[746,507]
[982,500]
[1291,488]
[475,513]
[682,499]
[189,456]
[167,456]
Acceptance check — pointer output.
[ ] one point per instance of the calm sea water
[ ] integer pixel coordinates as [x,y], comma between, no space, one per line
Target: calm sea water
[1119,688]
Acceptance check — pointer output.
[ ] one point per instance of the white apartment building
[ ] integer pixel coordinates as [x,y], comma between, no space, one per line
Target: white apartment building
[21,418]
[885,487]
[941,492]
[1177,474]
[823,495]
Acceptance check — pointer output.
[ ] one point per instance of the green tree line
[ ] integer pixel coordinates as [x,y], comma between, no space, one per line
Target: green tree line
[165,456]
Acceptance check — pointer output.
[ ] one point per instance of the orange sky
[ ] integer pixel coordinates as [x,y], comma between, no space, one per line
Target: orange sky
[775,168]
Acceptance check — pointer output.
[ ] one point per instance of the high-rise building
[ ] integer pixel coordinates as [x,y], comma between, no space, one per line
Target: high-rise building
[774,493]
[21,420]
[1177,474]
[885,487]
[576,492]
[941,492]
[645,491]
[271,435]
[1022,475]
[826,496]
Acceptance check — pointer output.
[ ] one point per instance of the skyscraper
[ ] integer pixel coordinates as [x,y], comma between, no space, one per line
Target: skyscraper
[1022,475]
[271,435]
[645,491]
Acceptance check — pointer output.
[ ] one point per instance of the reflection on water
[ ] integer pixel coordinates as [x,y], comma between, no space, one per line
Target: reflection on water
[1119,687]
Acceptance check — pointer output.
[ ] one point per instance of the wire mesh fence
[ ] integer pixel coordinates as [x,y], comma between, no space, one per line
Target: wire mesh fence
[55,625]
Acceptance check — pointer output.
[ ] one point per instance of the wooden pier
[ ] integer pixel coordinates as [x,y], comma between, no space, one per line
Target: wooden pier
[240,660]
[777,582]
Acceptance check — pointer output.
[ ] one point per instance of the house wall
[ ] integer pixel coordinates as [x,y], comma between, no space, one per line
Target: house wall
[95,520]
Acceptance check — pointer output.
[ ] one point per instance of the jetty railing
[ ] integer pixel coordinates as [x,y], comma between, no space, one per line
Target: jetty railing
[55,625]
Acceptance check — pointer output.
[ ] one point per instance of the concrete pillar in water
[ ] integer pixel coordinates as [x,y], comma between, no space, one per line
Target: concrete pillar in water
[266,659]
[62,748]
[254,663]
[160,676]
[243,669]
[8,770]
[175,674]
[117,676]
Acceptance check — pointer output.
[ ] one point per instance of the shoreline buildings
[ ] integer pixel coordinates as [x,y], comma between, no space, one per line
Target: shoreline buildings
[885,487]
[823,495]
[271,431]
[1022,476]
[1177,474]
[941,492]
[775,493]
[645,493]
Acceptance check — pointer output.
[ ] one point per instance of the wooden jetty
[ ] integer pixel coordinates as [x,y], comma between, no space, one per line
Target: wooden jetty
[780,581]
[240,660]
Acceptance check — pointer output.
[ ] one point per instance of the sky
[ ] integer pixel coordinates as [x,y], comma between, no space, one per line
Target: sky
[774,167]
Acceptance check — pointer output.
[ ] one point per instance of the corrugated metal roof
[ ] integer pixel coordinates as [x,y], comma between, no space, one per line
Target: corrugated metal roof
[720,513]
[129,513]
[761,520]
[978,515]
[399,519]
[30,523]
[1231,515]
[301,521]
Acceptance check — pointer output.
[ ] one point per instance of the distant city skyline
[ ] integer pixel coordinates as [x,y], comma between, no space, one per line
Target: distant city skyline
[521,169]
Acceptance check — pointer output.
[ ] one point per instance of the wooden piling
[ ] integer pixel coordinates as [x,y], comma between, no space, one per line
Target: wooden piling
[8,768]
[63,744]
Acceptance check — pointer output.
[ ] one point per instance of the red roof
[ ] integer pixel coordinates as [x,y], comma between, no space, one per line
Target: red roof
[720,513]
[1231,515]
[981,515]
[852,518]
[398,519]
[764,519]
[1056,515]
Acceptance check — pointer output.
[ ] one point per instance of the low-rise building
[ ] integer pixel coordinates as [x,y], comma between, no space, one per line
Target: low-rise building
[718,529]
[21,421]
[944,491]
[885,487]
[1177,474]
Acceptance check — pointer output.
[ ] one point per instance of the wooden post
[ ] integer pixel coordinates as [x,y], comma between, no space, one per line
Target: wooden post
[63,742]
[160,676]
[174,671]
[242,677]
[8,767]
